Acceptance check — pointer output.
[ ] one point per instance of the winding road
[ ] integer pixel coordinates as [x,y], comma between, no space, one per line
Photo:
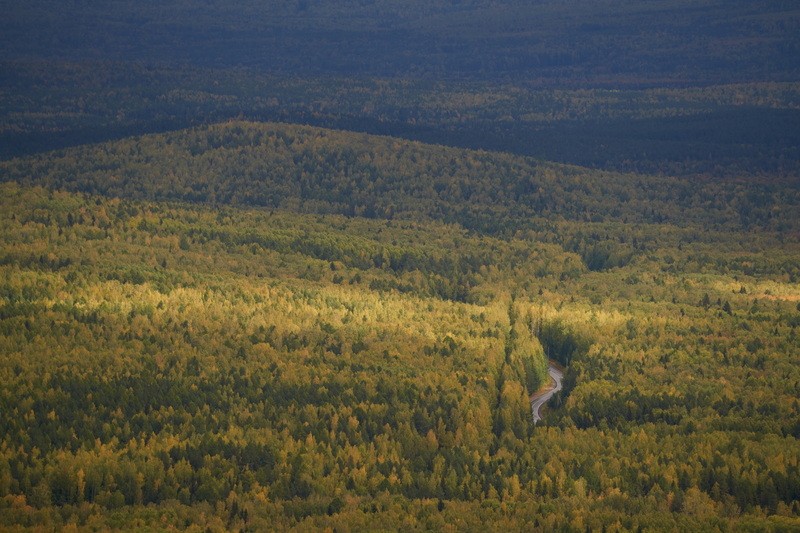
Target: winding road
[539,399]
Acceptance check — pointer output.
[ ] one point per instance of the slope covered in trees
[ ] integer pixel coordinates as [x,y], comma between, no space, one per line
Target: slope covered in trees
[196,365]
[324,171]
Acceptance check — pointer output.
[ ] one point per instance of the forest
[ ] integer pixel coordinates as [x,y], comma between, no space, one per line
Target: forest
[668,87]
[319,170]
[259,351]
[653,43]
[728,129]
[305,266]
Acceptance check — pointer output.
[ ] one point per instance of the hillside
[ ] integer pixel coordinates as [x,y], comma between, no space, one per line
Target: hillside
[267,326]
[325,171]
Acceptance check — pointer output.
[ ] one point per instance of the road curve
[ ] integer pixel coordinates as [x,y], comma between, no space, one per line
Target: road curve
[538,400]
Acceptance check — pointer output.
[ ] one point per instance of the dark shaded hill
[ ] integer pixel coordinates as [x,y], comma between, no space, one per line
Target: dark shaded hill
[309,169]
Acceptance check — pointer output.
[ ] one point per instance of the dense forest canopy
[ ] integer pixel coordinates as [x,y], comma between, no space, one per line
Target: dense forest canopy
[275,369]
[318,170]
[308,265]
[672,87]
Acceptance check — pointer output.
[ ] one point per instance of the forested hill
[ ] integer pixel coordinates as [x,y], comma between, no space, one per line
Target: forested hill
[309,169]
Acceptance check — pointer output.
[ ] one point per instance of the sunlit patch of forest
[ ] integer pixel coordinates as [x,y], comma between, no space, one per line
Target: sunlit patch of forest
[194,334]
